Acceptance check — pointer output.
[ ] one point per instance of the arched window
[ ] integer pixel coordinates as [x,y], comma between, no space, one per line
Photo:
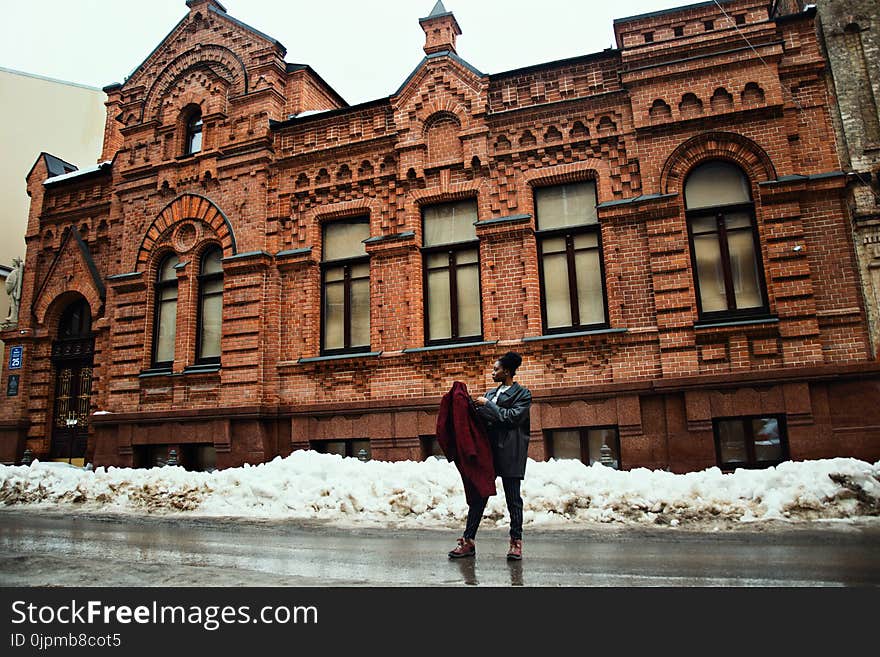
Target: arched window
[345,288]
[76,322]
[165,324]
[210,317]
[193,142]
[724,242]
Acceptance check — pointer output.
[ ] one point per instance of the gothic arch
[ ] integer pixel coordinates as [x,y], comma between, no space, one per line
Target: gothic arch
[219,60]
[715,145]
[186,206]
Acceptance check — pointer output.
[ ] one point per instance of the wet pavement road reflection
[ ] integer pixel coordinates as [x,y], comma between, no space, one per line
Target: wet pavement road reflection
[47,548]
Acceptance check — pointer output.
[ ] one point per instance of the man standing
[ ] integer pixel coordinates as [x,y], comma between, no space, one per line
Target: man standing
[505,410]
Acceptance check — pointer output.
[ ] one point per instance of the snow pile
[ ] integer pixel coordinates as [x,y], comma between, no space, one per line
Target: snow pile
[308,485]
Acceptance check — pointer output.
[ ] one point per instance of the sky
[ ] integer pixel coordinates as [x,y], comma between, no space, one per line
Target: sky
[556,493]
[365,50]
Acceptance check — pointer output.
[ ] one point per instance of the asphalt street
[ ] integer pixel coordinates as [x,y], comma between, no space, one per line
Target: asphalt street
[53,549]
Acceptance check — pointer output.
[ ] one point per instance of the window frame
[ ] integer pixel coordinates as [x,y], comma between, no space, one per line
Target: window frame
[320,446]
[158,287]
[746,420]
[452,249]
[346,264]
[194,126]
[569,233]
[585,442]
[718,212]
[200,297]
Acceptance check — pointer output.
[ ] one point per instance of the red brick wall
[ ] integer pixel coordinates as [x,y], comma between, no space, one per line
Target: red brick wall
[262,191]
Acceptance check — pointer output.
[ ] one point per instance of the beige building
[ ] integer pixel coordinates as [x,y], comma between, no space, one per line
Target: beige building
[39,114]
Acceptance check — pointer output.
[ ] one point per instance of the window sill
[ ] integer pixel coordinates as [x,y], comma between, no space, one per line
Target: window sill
[769,319]
[322,359]
[575,334]
[156,371]
[207,368]
[452,345]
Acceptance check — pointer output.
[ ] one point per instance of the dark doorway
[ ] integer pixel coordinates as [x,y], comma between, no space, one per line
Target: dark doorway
[72,357]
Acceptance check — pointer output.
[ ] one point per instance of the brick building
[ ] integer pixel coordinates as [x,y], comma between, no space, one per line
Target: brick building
[256,267]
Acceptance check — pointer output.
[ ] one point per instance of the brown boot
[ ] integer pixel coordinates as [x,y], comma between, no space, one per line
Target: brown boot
[466,548]
[515,551]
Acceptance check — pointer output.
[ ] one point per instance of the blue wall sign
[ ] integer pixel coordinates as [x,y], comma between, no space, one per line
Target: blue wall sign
[16,356]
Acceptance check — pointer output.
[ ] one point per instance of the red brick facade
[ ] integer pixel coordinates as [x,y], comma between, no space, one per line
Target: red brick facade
[636,120]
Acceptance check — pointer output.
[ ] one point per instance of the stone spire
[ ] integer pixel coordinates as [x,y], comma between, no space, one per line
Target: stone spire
[440,28]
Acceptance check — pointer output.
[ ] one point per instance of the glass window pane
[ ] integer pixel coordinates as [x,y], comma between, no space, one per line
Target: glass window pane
[212,287]
[167,321]
[360,313]
[168,294]
[716,183]
[586,241]
[710,273]
[345,239]
[358,445]
[211,262]
[591,302]
[704,225]
[334,447]
[167,271]
[195,141]
[566,444]
[334,309]
[468,288]
[555,245]
[732,442]
[744,269]
[333,275]
[768,443]
[437,260]
[212,319]
[440,320]
[566,205]
[599,437]
[470,256]
[736,220]
[556,291]
[449,223]
[361,270]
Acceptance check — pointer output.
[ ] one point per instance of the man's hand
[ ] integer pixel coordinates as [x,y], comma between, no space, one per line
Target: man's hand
[481,401]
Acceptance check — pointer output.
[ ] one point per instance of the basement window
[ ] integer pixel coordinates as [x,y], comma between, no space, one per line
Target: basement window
[750,442]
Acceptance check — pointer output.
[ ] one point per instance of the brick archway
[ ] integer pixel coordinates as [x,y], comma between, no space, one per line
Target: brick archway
[186,206]
[715,145]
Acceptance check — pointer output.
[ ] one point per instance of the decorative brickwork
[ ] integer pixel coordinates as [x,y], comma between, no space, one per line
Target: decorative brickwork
[282,156]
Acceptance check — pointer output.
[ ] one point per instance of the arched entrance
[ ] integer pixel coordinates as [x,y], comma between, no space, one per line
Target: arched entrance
[72,357]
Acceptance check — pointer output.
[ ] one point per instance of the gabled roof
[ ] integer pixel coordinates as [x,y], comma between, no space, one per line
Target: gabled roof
[219,10]
[87,258]
[54,165]
[435,55]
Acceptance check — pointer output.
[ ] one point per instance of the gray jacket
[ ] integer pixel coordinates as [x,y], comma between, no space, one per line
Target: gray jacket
[507,422]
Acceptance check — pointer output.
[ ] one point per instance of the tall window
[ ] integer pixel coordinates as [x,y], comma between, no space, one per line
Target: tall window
[452,273]
[570,248]
[194,133]
[724,242]
[588,445]
[750,442]
[345,287]
[210,306]
[165,326]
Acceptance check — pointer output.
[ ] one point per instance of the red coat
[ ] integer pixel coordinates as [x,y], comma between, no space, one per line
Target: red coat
[463,439]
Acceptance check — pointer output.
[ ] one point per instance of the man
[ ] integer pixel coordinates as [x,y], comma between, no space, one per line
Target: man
[505,410]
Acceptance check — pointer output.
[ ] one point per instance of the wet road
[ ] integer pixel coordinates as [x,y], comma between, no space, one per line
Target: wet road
[57,550]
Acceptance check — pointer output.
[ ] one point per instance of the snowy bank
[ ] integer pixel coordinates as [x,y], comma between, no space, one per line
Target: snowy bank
[308,485]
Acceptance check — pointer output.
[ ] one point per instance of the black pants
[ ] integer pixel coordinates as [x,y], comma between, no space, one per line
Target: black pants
[514,507]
